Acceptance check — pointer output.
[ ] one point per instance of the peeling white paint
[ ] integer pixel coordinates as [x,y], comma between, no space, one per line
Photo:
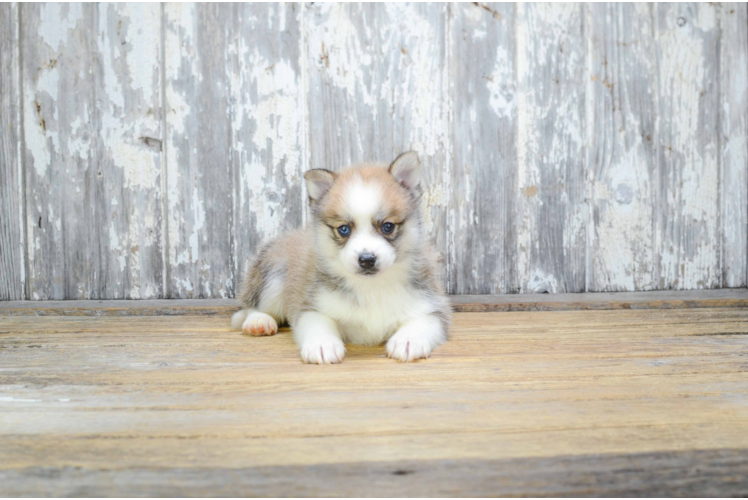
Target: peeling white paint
[548,171]
[37,124]
[36,138]
[419,74]
[625,233]
[500,85]
[347,61]
[117,247]
[143,39]
[267,97]
[79,143]
[138,165]
[540,282]
[389,80]
[56,20]
[180,55]
[274,114]
[690,156]
[706,20]
[198,221]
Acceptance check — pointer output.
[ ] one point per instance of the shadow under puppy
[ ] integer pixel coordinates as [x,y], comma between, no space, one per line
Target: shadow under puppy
[363,272]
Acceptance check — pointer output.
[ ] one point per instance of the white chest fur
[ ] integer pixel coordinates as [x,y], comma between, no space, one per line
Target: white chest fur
[375,313]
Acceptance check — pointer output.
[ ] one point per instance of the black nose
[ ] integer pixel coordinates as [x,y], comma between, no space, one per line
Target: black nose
[367,260]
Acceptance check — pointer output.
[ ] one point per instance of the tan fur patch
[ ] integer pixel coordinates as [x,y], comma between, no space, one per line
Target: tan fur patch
[397,201]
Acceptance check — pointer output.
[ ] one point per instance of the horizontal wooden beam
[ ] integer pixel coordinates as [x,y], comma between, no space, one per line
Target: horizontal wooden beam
[734,297]
[668,299]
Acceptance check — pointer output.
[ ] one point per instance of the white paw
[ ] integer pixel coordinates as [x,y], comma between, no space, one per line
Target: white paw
[323,350]
[409,346]
[259,323]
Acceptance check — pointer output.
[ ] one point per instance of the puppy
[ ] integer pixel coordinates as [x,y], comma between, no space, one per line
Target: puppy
[363,272]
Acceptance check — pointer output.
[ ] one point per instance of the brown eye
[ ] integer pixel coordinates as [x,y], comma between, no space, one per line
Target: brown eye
[388,227]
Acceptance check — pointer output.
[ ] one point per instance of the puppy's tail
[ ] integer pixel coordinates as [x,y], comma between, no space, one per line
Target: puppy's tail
[238,319]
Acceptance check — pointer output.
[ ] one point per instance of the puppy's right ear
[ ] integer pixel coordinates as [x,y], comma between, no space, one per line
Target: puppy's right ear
[318,182]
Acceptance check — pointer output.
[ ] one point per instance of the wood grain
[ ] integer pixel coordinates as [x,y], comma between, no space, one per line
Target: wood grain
[622,160]
[130,150]
[12,262]
[687,232]
[551,214]
[59,225]
[199,172]
[92,135]
[734,127]
[97,404]
[484,97]
[660,474]
[267,127]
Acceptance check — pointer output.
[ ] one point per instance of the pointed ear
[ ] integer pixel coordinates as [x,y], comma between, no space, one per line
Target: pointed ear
[318,182]
[406,169]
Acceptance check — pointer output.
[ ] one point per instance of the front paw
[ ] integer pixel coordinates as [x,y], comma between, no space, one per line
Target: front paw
[323,350]
[408,346]
[258,323]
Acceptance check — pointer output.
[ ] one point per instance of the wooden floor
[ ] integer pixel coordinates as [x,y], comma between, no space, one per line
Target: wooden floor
[623,402]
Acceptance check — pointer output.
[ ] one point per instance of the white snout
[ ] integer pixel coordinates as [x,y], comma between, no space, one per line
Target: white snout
[367,243]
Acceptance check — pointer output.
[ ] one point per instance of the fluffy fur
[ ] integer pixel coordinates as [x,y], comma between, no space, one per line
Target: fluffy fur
[316,279]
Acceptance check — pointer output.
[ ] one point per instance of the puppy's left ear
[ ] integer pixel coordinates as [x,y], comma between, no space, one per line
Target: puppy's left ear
[406,169]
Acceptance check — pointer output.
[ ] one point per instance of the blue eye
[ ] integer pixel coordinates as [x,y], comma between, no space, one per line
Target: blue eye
[344,230]
[388,227]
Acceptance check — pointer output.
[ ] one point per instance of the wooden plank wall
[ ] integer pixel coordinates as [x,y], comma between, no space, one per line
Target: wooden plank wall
[146,151]
[12,262]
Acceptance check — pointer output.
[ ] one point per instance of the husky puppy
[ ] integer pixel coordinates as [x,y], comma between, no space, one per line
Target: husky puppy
[363,272]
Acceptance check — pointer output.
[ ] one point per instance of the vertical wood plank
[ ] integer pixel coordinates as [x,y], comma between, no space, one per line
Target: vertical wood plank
[11,194]
[622,154]
[734,127]
[198,140]
[551,208]
[377,88]
[687,230]
[484,180]
[91,126]
[129,149]
[267,121]
[60,188]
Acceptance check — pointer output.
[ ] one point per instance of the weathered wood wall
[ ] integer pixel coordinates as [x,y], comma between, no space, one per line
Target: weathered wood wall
[147,150]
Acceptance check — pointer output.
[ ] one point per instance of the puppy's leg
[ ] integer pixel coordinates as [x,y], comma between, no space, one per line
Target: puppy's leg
[254,322]
[262,298]
[416,338]
[318,339]
[238,318]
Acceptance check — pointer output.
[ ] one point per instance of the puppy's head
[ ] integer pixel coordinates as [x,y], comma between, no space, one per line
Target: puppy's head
[366,218]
